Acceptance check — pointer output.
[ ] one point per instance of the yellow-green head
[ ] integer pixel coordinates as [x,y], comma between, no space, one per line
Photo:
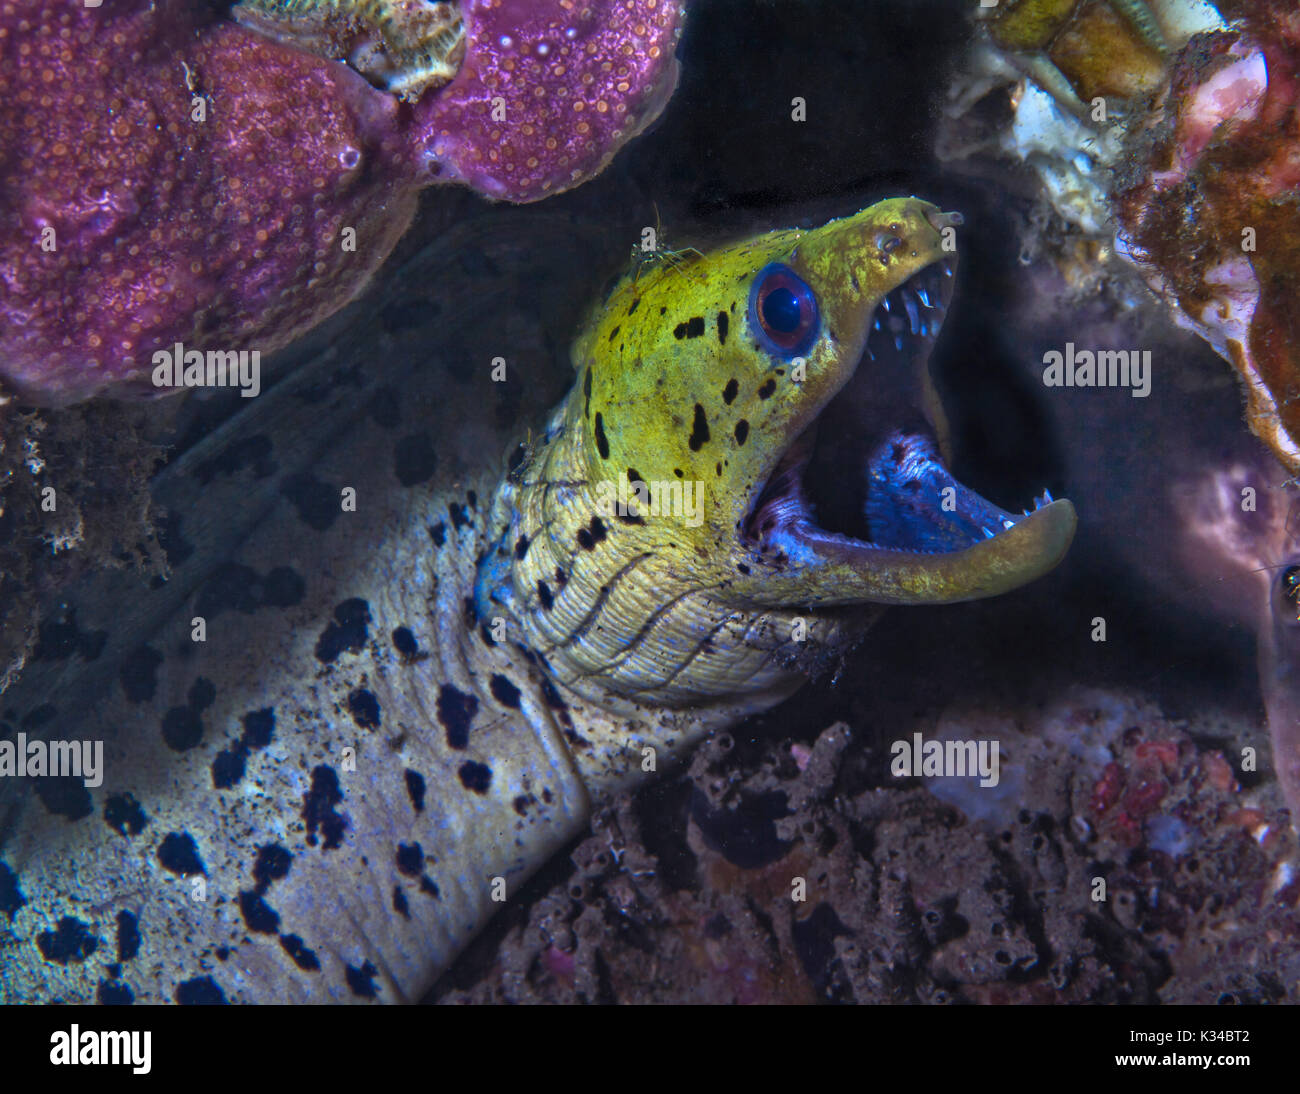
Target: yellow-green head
[752,449]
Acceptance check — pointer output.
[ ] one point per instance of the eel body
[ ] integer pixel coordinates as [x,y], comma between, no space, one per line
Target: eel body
[409,684]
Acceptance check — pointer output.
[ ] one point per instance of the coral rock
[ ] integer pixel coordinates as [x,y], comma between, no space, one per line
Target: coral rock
[549,92]
[168,177]
[129,224]
[1211,211]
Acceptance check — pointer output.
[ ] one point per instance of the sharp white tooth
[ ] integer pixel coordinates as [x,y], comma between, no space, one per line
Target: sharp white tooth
[1047,495]
[876,324]
[923,296]
[898,342]
[988,534]
[1008,523]
[885,303]
[947,271]
[913,316]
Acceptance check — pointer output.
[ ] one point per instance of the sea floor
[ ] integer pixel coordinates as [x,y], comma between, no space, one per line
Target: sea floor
[1123,857]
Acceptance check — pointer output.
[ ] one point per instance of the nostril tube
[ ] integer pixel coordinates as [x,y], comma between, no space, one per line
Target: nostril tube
[940,220]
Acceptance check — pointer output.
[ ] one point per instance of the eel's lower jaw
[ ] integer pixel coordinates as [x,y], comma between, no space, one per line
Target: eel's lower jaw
[915,504]
[934,540]
[910,532]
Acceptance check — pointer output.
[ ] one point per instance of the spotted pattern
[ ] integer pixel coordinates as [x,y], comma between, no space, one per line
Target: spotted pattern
[11,895]
[200,991]
[128,935]
[71,940]
[65,797]
[475,776]
[699,429]
[364,708]
[244,589]
[317,503]
[299,953]
[456,710]
[415,787]
[347,632]
[414,459]
[344,749]
[113,993]
[179,854]
[229,765]
[123,813]
[505,692]
[361,979]
[319,809]
[405,643]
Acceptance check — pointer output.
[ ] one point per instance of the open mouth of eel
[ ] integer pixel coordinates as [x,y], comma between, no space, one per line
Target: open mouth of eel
[867,477]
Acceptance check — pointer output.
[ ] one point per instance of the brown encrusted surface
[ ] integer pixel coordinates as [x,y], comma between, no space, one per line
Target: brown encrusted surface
[1102,54]
[97,458]
[1245,177]
[684,895]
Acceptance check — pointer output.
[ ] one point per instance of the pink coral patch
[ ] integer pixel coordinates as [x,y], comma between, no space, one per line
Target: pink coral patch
[170,177]
[548,91]
[164,181]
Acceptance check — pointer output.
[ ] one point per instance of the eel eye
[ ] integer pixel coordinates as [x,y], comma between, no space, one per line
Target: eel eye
[783,311]
[1286,598]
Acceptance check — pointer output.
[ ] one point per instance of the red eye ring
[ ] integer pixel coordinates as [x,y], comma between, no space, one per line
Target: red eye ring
[783,312]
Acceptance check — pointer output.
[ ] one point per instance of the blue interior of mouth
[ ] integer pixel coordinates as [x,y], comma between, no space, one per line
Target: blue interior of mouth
[913,502]
[870,473]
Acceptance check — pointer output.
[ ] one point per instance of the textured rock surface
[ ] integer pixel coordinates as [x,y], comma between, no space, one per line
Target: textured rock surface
[1208,205]
[924,894]
[548,93]
[168,178]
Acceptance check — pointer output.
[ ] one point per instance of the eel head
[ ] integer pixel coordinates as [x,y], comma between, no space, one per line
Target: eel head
[757,433]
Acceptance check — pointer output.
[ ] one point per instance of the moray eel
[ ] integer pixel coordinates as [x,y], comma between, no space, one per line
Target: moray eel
[323,795]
